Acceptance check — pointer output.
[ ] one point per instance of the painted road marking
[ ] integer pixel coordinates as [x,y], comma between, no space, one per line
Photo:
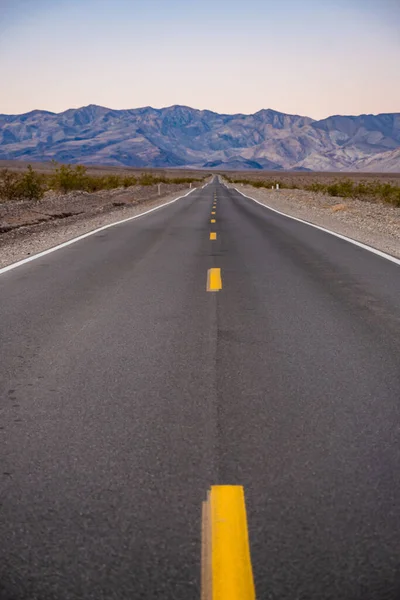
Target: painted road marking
[393,259]
[213,212]
[85,235]
[213,236]
[214,280]
[213,221]
[227,572]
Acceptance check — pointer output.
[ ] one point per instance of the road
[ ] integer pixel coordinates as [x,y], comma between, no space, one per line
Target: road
[127,390]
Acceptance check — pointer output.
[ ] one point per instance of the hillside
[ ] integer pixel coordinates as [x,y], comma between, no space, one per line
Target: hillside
[181,136]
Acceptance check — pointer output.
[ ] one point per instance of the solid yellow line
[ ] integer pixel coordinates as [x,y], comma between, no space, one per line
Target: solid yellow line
[214,280]
[213,236]
[213,221]
[232,574]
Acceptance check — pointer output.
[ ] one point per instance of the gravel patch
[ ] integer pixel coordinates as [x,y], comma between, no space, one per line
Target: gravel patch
[372,223]
[28,228]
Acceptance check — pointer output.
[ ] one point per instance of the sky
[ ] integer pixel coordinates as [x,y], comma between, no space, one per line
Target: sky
[308,57]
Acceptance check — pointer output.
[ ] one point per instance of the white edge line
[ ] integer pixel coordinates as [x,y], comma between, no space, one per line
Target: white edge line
[393,259]
[89,233]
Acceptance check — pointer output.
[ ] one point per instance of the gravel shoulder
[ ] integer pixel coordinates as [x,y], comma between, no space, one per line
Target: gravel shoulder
[374,224]
[27,228]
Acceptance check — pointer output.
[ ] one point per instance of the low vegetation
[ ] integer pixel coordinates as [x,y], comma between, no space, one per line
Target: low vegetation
[17,186]
[32,185]
[343,188]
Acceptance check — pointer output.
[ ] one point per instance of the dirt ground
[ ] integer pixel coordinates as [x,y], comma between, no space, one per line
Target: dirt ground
[56,207]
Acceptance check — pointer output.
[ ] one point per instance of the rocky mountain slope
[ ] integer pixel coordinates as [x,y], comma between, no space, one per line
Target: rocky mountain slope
[182,136]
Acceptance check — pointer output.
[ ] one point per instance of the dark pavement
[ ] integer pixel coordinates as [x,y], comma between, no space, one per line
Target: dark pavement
[126,390]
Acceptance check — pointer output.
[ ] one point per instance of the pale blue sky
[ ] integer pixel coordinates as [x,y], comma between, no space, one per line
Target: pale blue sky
[310,57]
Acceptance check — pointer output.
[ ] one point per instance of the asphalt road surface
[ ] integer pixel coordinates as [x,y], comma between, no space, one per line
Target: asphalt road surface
[127,390]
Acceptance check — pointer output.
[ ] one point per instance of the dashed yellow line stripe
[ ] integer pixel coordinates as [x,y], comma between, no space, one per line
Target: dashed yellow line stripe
[213,221]
[213,236]
[226,568]
[214,280]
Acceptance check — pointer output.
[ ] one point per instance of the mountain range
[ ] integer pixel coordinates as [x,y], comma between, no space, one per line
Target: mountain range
[179,136]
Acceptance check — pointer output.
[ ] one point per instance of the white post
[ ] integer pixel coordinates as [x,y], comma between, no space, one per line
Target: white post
[277,186]
[159,189]
[190,185]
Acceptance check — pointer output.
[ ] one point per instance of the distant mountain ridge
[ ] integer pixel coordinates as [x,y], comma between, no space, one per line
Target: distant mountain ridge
[180,136]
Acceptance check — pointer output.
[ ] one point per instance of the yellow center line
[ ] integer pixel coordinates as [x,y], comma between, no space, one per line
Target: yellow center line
[214,280]
[213,212]
[227,572]
[213,236]
[213,221]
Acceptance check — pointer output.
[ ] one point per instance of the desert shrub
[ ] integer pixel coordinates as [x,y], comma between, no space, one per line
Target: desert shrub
[9,185]
[111,182]
[384,192]
[128,181]
[181,180]
[315,187]
[147,179]
[67,178]
[93,184]
[389,193]
[263,183]
[31,185]
[16,186]
[344,189]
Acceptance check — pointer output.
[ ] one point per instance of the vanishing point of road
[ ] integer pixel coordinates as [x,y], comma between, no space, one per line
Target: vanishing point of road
[127,389]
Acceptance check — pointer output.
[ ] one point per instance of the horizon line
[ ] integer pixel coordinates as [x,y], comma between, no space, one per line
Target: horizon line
[238,114]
